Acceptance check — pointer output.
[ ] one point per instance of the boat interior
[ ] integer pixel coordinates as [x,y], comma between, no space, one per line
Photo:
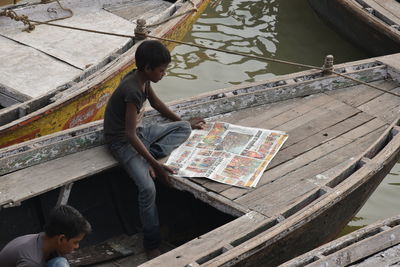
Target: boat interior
[335,125]
[47,60]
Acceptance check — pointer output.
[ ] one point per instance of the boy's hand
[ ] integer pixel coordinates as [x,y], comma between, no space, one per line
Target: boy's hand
[197,123]
[161,172]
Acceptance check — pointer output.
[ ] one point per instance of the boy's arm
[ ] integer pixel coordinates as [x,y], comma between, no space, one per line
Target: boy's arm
[130,126]
[160,106]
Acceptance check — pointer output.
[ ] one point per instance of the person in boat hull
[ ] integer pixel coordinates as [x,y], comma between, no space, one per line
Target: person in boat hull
[64,230]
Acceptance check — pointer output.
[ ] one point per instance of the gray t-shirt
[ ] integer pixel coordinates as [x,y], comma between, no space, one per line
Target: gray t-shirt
[114,117]
[23,251]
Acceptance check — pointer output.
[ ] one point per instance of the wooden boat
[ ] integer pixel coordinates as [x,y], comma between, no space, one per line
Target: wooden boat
[373,25]
[71,74]
[377,244]
[343,140]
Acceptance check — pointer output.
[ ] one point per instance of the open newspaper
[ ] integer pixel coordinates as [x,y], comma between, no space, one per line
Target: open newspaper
[227,153]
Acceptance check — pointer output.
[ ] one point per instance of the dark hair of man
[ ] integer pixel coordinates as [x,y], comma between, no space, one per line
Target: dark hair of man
[67,221]
[151,53]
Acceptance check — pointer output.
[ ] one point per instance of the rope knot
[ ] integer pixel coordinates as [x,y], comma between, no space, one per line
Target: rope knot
[23,18]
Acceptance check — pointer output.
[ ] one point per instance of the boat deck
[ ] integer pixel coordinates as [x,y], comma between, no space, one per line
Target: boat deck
[385,8]
[49,57]
[327,131]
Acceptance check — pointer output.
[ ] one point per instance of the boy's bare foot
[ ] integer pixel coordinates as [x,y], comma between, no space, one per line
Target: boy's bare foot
[152,253]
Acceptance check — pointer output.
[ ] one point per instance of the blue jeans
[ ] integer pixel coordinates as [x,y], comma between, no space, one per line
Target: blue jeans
[160,140]
[57,262]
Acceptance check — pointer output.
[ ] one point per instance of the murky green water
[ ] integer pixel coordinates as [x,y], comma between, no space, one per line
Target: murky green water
[283,29]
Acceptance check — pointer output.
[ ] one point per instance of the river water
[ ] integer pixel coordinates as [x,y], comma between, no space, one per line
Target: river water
[282,29]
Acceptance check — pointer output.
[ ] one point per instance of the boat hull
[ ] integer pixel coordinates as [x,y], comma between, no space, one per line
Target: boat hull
[358,26]
[322,229]
[89,104]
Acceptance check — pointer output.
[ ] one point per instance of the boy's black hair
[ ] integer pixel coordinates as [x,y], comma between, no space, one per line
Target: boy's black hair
[67,221]
[151,53]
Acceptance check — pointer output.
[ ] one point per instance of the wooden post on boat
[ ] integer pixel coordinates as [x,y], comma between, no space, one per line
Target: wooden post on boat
[63,196]
[140,30]
[328,65]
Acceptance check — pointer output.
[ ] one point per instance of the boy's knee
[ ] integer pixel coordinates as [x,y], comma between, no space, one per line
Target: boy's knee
[185,127]
[148,192]
[58,262]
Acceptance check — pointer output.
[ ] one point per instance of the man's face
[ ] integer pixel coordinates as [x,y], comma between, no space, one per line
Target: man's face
[157,73]
[66,246]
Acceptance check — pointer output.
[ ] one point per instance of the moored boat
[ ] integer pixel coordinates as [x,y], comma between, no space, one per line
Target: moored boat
[373,25]
[377,244]
[343,140]
[55,78]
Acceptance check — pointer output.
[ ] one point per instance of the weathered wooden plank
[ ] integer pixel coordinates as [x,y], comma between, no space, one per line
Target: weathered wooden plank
[250,116]
[293,149]
[30,182]
[333,115]
[388,257]
[212,242]
[234,192]
[343,242]
[305,118]
[136,9]
[319,151]
[361,249]
[51,151]
[360,94]
[384,106]
[306,109]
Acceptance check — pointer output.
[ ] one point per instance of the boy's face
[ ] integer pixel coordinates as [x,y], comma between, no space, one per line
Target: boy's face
[66,246]
[157,73]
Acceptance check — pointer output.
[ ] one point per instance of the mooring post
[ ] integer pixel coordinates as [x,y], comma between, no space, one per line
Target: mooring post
[140,30]
[328,65]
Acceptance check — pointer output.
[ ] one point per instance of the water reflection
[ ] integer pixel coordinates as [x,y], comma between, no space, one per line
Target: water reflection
[282,29]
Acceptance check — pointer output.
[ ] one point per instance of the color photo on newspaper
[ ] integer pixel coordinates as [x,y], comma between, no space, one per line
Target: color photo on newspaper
[227,153]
